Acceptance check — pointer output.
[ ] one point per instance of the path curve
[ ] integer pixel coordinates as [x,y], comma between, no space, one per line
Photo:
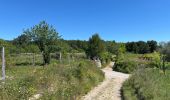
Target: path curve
[109,89]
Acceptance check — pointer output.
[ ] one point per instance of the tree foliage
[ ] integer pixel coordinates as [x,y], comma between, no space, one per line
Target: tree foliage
[165,50]
[110,46]
[95,47]
[132,47]
[141,47]
[115,48]
[22,40]
[78,45]
[152,45]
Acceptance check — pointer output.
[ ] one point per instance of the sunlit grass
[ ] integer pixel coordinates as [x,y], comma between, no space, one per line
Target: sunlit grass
[59,80]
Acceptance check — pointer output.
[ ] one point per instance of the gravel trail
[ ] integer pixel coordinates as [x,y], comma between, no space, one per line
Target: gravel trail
[109,89]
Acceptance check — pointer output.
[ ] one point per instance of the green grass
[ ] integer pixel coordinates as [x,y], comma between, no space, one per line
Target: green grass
[66,80]
[147,84]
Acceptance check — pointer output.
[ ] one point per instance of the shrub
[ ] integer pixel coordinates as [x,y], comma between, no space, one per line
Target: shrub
[125,66]
[147,84]
[127,63]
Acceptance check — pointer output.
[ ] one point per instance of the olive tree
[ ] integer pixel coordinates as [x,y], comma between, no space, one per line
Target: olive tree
[45,37]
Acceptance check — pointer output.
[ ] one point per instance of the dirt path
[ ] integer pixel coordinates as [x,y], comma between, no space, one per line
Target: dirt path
[109,89]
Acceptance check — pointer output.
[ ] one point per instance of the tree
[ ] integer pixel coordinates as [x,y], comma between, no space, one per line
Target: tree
[78,45]
[143,47]
[95,47]
[132,47]
[111,46]
[32,48]
[22,40]
[135,48]
[121,48]
[165,50]
[152,45]
[140,47]
[44,36]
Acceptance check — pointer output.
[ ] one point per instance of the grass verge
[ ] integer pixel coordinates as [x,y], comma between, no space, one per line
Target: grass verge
[55,81]
[147,84]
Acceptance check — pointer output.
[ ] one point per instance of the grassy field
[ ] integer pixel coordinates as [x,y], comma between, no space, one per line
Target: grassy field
[65,80]
[147,84]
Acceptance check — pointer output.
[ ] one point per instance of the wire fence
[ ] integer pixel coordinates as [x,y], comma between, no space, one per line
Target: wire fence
[23,59]
[17,59]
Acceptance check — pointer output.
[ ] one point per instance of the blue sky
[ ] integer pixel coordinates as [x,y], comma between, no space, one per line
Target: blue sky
[120,20]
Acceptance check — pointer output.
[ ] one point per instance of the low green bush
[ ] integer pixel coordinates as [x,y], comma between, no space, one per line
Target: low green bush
[147,84]
[125,66]
[127,63]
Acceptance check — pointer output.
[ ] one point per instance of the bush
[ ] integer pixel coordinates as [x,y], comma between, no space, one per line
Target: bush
[125,66]
[127,63]
[106,58]
[147,84]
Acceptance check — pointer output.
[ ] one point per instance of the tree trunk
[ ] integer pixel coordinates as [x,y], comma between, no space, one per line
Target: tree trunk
[46,58]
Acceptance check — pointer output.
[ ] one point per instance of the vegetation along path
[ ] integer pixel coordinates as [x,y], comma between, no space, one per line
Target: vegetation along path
[109,89]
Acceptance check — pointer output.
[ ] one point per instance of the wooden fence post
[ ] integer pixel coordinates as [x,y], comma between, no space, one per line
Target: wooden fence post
[33,60]
[60,57]
[3,63]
